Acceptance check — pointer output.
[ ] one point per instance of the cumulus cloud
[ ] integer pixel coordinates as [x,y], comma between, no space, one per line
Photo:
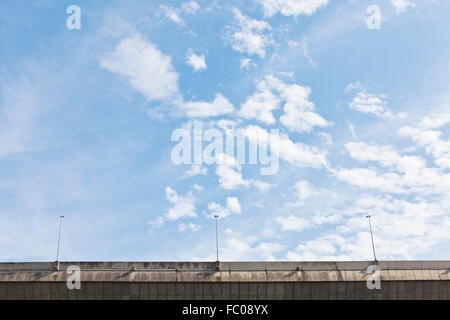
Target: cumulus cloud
[147,69]
[293,223]
[182,206]
[303,191]
[232,207]
[291,7]
[188,227]
[202,109]
[250,36]
[196,62]
[370,103]
[401,5]
[426,136]
[259,106]
[295,153]
[151,73]
[174,14]
[299,113]
[195,170]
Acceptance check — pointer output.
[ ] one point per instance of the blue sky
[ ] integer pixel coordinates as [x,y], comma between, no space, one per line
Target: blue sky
[86,118]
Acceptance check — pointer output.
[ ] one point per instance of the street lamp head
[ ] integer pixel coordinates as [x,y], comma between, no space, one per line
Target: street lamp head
[216,216]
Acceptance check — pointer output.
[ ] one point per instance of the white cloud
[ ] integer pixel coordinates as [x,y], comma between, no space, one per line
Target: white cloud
[201,109]
[386,156]
[182,206]
[303,191]
[295,153]
[174,14]
[196,62]
[195,170]
[250,36]
[291,7]
[259,106]
[191,7]
[293,223]
[151,73]
[370,103]
[401,5]
[232,207]
[229,172]
[246,63]
[424,136]
[189,227]
[147,69]
[298,113]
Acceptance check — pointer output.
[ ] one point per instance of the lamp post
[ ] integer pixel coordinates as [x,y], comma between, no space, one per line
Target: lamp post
[59,241]
[371,236]
[217,238]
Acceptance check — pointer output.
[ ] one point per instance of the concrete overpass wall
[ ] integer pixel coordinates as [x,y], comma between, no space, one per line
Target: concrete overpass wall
[230,280]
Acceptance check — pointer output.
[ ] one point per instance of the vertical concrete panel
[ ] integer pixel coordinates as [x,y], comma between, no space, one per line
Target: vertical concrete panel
[434,289]
[98,291]
[3,291]
[143,290]
[107,291]
[271,291]
[350,290]
[333,290]
[409,290]
[37,292]
[117,290]
[418,290]
[315,290]
[360,287]
[393,290]
[19,290]
[297,290]
[234,290]
[341,290]
[243,291]
[162,290]
[171,291]
[153,290]
[11,291]
[216,290]
[207,291]
[443,293]
[45,286]
[198,290]
[288,291]
[307,291]
[62,291]
[402,290]
[427,290]
[262,290]
[54,294]
[226,290]
[89,290]
[180,293]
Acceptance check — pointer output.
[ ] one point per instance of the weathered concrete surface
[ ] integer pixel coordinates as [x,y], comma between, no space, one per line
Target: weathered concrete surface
[234,280]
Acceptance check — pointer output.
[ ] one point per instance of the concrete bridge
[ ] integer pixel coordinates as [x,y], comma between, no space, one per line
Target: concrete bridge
[414,280]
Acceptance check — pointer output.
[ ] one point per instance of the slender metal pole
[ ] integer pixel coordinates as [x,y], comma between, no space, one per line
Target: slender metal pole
[217,238]
[59,241]
[371,236]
